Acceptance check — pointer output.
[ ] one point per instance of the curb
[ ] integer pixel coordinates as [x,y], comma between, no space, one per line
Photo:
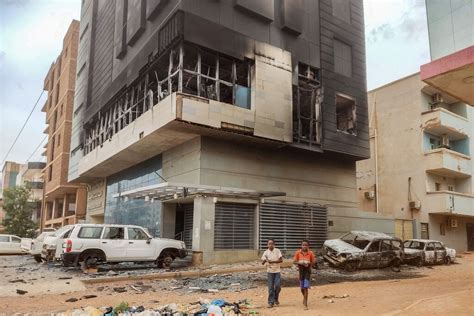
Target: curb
[180,275]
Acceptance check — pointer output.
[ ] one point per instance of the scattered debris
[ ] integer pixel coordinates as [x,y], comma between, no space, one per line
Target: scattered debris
[17,281]
[120,289]
[71,300]
[21,292]
[89,296]
[65,278]
[335,296]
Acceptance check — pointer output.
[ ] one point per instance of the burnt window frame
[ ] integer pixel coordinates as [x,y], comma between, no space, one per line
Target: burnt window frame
[354,113]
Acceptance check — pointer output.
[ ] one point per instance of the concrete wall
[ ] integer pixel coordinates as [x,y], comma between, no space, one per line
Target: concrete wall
[450,26]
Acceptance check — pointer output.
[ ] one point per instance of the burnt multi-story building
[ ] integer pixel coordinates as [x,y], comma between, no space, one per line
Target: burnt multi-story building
[223,123]
[63,203]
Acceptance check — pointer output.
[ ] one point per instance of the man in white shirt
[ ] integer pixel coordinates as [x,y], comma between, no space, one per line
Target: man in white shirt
[272,258]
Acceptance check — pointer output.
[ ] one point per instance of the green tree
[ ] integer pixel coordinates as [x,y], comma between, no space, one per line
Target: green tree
[18,210]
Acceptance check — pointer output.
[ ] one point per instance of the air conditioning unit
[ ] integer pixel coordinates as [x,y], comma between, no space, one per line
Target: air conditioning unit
[445,142]
[369,195]
[437,98]
[453,223]
[415,205]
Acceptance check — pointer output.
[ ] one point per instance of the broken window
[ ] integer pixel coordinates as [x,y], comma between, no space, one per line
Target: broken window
[307,106]
[424,231]
[345,114]
[183,68]
[386,245]
[374,246]
[113,233]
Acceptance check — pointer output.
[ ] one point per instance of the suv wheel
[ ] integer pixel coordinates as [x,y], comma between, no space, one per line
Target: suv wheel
[165,261]
[447,260]
[350,266]
[91,259]
[38,258]
[419,262]
[395,265]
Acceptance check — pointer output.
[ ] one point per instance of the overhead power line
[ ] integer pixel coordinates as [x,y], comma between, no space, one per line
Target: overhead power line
[36,149]
[22,128]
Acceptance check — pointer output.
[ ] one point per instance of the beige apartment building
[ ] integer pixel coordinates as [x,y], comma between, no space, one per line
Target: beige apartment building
[31,175]
[420,170]
[63,203]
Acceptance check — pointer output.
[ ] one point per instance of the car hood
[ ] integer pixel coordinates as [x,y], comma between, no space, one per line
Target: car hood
[341,246]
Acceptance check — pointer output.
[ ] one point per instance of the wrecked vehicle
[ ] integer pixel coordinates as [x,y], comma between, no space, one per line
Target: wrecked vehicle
[52,244]
[36,247]
[425,251]
[90,244]
[363,249]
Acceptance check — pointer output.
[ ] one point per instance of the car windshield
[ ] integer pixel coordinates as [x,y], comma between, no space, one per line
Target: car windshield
[60,231]
[413,244]
[355,240]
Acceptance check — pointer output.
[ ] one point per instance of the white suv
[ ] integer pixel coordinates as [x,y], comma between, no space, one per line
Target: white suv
[92,243]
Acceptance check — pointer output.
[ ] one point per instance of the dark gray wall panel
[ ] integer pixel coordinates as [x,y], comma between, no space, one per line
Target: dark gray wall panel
[153,7]
[120,39]
[291,16]
[265,9]
[135,20]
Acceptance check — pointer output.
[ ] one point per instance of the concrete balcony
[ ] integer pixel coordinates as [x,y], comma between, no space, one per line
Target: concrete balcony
[179,118]
[443,122]
[448,163]
[449,203]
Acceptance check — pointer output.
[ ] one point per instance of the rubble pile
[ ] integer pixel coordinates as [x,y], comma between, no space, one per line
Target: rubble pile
[216,307]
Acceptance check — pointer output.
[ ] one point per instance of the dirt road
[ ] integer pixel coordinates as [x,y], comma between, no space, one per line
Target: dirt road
[437,290]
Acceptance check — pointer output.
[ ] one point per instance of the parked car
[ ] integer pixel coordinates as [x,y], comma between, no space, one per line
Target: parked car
[10,244]
[36,247]
[52,245]
[25,245]
[363,249]
[90,244]
[425,251]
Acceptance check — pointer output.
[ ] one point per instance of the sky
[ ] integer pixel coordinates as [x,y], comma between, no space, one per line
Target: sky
[31,34]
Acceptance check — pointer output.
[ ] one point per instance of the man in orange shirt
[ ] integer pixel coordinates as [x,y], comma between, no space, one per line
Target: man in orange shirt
[304,259]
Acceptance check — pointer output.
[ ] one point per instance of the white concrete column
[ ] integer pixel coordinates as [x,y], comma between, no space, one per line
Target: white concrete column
[203,225]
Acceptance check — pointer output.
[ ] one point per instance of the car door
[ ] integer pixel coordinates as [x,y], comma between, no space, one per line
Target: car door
[372,255]
[429,253]
[386,253]
[440,252]
[138,247]
[4,244]
[114,244]
[15,244]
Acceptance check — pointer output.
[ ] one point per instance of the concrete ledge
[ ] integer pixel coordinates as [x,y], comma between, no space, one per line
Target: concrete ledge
[183,274]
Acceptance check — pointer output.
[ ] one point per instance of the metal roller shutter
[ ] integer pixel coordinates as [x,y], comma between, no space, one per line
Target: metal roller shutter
[188,225]
[234,226]
[288,224]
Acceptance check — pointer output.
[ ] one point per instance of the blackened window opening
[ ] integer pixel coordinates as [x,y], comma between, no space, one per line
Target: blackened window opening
[345,114]
[184,68]
[307,116]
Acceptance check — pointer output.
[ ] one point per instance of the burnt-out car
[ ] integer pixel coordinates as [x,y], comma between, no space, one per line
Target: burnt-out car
[363,249]
[424,251]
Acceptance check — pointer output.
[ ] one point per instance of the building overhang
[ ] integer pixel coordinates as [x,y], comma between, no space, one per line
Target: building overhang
[168,191]
[453,74]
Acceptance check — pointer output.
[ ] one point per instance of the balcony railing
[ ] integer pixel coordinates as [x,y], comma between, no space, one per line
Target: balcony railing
[443,122]
[447,202]
[448,163]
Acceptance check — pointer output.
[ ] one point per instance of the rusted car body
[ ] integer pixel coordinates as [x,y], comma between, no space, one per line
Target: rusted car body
[425,251]
[362,250]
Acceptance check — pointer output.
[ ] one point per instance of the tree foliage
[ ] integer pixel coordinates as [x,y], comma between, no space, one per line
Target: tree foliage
[18,210]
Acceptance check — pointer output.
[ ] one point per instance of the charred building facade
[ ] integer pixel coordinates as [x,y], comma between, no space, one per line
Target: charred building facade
[222,123]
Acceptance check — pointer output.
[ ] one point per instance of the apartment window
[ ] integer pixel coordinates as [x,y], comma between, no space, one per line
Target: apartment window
[57,92]
[345,114]
[442,229]
[51,157]
[50,173]
[437,186]
[61,110]
[435,143]
[59,139]
[451,188]
[425,234]
[342,58]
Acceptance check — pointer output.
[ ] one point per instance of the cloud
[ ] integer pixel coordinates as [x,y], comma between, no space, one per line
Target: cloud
[384,31]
